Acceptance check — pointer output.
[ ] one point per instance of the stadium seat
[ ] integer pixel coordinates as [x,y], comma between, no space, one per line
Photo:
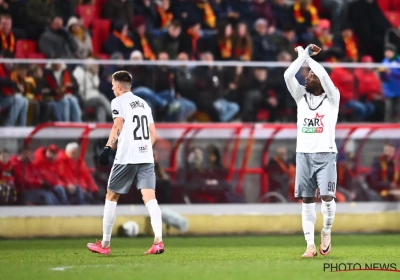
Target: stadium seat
[100,32]
[24,48]
[36,55]
[384,5]
[262,115]
[87,13]
[393,18]
[99,6]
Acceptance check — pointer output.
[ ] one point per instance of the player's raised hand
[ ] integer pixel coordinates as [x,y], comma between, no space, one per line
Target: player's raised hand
[299,49]
[313,49]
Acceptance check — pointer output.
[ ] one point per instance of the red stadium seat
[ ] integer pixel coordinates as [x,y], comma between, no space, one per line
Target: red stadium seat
[393,18]
[87,13]
[100,32]
[99,6]
[24,48]
[384,5]
[36,55]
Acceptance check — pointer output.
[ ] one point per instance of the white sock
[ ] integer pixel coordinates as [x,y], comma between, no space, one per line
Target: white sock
[108,221]
[328,210]
[309,217]
[155,217]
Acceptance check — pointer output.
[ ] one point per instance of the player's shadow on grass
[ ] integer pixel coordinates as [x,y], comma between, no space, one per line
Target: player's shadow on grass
[123,255]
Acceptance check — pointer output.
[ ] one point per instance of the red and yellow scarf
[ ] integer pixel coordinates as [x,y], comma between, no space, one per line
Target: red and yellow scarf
[7,91]
[243,53]
[8,42]
[124,39]
[147,51]
[165,16]
[225,48]
[384,170]
[195,37]
[298,14]
[209,16]
[351,48]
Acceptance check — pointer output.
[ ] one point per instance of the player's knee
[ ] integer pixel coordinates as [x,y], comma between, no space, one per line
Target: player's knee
[308,199]
[112,196]
[327,198]
[148,194]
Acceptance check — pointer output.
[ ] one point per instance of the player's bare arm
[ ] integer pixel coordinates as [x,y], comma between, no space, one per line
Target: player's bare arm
[326,82]
[295,89]
[153,133]
[115,132]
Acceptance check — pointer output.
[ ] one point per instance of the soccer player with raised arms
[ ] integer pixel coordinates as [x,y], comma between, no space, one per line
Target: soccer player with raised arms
[135,133]
[317,112]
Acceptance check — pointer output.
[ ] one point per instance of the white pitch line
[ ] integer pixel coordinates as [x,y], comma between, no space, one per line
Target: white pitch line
[63,268]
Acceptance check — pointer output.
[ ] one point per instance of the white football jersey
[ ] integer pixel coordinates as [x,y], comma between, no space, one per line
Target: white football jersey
[134,142]
[316,122]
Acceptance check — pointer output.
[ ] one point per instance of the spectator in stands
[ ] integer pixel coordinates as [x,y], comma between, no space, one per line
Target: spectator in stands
[165,88]
[347,43]
[119,41]
[82,38]
[185,10]
[390,81]
[244,11]
[146,9]
[64,88]
[286,43]
[369,89]
[184,80]
[392,37]
[256,94]
[206,12]
[370,25]
[280,177]
[56,42]
[262,9]
[242,43]
[384,174]
[76,173]
[87,77]
[264,43]
[223,50]
[4,7]
[7,182]
[143,86]
[344,80]
[170,41]
[192,42]
[29,183]
[222,10]
[306,17]
[278,85]
[40,14]
[163,183]
[142,39]
[28,86]
[164,14]
[106,75]
[42,94]
[118,10]
[11,98]
[51,171]
[210,99]
[8,40]
[283,14]
[332,47]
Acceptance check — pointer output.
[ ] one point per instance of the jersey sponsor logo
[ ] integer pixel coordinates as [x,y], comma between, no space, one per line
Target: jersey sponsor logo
[115,112]
[314,125]
[143,149]
[136,104]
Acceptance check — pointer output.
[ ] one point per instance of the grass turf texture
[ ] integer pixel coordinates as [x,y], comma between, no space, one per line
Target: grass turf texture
[266,257]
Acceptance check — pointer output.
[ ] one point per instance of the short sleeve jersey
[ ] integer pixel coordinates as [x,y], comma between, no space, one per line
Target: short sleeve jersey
[134,143]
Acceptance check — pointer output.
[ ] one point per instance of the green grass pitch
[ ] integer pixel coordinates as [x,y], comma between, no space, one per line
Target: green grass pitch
[264,257]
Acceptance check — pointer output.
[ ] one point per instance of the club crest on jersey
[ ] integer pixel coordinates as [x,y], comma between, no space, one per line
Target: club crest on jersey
[135,104]
[115,112]
[314,125]
[143,149]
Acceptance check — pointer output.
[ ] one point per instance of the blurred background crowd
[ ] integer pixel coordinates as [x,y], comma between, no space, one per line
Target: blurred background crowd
[186,30]
[183,31]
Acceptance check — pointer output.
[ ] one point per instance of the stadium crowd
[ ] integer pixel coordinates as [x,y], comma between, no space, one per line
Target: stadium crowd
[52,176]
[207,30]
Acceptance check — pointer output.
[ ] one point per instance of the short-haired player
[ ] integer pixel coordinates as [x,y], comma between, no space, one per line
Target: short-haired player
[135,133]
[317,112]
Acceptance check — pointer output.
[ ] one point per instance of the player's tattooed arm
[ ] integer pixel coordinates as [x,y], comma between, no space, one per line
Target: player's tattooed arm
[115,133]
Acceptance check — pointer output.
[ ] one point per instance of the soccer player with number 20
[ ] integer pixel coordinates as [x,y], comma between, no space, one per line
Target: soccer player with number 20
[317,112]
[135,133]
